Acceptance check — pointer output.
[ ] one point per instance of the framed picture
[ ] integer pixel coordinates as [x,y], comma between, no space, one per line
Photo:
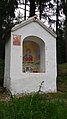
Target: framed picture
[17,40]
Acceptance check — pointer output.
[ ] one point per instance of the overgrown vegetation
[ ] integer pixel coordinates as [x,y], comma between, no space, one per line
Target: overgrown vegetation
[62,77]
[62,69]
[41,107]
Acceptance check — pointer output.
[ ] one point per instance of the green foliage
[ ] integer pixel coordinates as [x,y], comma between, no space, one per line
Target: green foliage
[62,69]
[62,77]
[64,5]
[7,8]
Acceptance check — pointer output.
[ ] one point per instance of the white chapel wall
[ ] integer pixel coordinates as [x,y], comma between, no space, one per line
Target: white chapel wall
[22,82]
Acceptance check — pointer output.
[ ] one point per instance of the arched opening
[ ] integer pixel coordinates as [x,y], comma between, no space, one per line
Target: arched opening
[33,55]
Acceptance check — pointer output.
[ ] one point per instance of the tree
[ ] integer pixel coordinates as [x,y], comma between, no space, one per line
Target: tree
[40,4]
[47,10]
[7,8]
[61,47]
[32,8]
[64,5]
[25,11]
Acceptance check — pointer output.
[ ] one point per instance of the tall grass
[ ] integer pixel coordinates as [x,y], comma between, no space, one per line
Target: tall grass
[39,108]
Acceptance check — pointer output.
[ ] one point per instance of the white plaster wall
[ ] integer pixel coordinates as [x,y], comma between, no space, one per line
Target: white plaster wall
[29,82]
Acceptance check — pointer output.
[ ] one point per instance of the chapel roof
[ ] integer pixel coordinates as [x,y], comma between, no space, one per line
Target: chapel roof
[34,19]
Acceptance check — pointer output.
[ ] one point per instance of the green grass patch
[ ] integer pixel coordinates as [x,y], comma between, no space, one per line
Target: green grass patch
[36,106]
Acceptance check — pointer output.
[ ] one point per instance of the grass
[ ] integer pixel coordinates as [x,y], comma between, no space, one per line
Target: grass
[39,106]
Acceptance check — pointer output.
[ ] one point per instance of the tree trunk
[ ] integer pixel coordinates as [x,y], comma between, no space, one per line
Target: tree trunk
[32,8]
[65,35]
[25,11]
[40,9]
[57,14]
[66,39]
[1,44]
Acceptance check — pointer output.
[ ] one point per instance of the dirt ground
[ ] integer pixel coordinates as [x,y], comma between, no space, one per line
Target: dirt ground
[4,95]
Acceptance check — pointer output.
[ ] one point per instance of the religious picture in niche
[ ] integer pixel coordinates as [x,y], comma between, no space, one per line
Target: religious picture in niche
[28,56]
[16,40]
[31,57]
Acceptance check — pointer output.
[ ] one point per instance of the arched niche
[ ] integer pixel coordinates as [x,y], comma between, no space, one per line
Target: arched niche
[33,55]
